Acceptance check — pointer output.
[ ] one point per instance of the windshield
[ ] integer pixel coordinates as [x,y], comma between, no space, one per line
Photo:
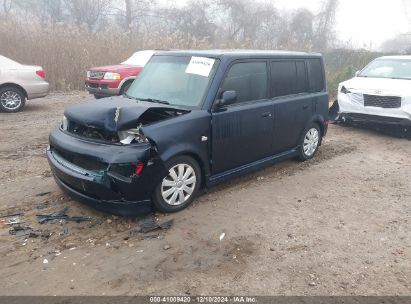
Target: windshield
[388,68]
[175,80]
[139,58]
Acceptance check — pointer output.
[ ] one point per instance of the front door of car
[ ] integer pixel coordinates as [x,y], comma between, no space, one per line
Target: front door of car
[242,132]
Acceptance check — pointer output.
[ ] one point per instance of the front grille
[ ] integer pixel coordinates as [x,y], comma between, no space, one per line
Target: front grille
[97,75]
[92,133]
[390,102]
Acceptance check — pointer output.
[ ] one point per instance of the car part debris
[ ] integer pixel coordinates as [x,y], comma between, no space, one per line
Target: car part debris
[29,232]
[150,236]
[19,231]
[95,222]
[61,215]
[14,221]
[39,233]
[148,224]
[43,193]
[11,214]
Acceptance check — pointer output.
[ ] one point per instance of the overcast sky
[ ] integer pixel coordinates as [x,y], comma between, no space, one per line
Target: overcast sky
[363,22]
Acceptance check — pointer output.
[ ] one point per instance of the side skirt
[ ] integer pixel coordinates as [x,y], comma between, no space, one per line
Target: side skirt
[249,168]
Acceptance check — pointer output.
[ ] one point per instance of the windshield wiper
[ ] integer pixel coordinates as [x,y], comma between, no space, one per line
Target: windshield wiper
[154,100]
[128,96]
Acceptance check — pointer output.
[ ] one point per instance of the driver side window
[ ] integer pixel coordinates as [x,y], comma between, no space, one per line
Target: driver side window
[248,79]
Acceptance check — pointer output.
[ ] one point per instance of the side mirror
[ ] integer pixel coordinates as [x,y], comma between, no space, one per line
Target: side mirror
[227,98]
[357,73]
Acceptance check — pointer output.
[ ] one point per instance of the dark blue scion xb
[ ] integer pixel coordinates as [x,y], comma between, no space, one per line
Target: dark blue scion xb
[191,119]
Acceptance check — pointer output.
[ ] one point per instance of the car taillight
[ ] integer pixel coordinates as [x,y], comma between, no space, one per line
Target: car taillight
[139,168]
[41,73]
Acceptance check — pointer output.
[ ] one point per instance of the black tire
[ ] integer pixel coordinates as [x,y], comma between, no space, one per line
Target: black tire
[306,150]
[12,94]
[125,87]
[97,96]
[160,203]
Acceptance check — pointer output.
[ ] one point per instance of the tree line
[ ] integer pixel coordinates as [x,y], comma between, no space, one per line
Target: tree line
[219,23]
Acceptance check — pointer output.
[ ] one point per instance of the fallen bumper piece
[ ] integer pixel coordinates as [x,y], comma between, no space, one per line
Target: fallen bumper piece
[61,215]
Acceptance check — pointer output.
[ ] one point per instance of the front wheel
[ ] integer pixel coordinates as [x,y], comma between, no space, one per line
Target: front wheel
[11,99]
[310,142]
[179,188]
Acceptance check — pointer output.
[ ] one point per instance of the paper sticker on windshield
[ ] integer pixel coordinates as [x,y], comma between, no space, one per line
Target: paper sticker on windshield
[200,66]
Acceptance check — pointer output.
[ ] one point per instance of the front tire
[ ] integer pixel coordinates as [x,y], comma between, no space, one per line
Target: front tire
[181,185]
[11,100]
[310,142]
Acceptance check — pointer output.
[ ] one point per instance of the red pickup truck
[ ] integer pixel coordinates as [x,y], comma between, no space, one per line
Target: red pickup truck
[116,79]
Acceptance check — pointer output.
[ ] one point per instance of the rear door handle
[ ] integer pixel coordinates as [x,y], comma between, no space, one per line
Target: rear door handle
[305,107]
[267,114]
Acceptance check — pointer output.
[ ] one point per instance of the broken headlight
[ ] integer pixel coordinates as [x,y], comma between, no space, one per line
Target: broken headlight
[64,123]
[344,90]
[132,135]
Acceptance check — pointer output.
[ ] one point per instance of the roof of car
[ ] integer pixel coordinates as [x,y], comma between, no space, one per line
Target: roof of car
[238,53]
[400,57]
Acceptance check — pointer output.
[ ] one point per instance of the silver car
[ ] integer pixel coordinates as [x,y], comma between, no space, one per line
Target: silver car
[18,83]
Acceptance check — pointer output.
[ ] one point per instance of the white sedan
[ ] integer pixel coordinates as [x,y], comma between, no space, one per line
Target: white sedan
[18,83]
[380,93]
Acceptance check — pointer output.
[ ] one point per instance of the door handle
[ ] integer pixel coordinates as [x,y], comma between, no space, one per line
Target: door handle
[305,107]
[267,114]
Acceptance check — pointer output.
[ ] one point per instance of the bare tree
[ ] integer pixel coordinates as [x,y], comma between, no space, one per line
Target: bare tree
[325,24]
[87,12]
[7,5]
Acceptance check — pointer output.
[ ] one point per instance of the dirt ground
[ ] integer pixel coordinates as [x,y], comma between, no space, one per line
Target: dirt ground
[337,225]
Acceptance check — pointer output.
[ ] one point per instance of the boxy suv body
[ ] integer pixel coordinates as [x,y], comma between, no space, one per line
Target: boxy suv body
[192,118]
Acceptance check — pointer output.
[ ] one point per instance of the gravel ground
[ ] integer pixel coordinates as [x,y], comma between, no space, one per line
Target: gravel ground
[337,225]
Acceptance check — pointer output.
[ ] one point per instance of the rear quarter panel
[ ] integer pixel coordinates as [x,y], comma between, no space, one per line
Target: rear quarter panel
[27,78]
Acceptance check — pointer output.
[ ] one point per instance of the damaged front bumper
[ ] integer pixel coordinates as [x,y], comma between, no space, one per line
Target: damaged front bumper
[99,174]
[352,107]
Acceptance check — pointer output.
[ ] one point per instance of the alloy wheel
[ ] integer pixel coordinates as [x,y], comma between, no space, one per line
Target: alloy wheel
[311,141]
[178,186]
[10,100]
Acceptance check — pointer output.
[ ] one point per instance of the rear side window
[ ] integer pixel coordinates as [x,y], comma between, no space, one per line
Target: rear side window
[315,75]
[288,78]
[248,79]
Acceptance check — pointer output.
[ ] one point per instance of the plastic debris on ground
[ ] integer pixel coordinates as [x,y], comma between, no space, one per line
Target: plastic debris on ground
[222,236]
[29,232]
[61,215]
[11,214]
[149,224]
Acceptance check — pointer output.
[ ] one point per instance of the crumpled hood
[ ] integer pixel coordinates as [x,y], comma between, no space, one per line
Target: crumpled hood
[384,86]
[112,114]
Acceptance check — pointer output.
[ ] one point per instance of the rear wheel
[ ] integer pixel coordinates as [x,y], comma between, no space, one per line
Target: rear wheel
[310,142]
[179,188]
[11,99]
